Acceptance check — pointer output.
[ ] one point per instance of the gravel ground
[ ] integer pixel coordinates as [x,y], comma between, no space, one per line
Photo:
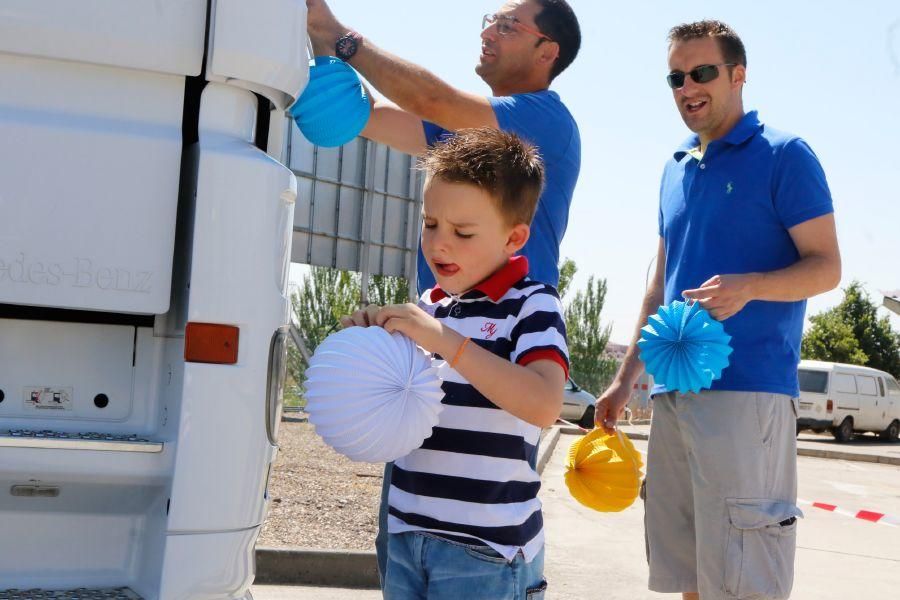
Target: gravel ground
[320,499]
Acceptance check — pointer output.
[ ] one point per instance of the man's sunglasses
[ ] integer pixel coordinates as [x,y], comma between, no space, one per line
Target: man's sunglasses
[701,74]
[507,24]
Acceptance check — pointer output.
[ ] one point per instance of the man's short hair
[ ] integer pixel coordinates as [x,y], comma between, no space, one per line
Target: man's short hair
[731,45]
[557,21]
[498,162]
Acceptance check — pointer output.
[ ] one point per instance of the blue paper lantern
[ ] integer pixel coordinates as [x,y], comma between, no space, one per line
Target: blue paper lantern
[334,107]
[684,348]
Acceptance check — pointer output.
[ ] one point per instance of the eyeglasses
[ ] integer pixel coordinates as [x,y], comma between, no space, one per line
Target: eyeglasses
[507,24]
[701,74]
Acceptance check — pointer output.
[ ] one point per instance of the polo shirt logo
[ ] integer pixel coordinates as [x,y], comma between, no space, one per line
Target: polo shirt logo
[490,329]
[729,188]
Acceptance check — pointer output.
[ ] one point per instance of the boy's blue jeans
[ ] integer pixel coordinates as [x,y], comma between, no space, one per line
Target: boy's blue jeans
[424,566]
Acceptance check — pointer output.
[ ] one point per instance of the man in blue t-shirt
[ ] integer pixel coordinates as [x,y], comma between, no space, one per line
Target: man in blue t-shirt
[524,46]
[747,230]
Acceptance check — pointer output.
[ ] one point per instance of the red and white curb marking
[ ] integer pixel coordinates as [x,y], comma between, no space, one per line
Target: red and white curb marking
[865,515]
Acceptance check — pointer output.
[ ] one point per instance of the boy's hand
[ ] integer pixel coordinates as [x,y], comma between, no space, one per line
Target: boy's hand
[419,326]
[364,317]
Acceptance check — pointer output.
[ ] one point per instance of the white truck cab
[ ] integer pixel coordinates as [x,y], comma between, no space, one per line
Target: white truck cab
[145,239]
[848,399]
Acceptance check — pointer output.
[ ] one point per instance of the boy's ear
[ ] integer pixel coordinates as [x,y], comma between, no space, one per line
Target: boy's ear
[517,237]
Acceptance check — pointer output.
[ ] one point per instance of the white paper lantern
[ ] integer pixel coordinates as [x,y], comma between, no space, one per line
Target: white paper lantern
[372,396]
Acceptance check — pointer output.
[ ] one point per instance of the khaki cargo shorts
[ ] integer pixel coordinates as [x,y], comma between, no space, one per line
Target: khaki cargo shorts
[720,495]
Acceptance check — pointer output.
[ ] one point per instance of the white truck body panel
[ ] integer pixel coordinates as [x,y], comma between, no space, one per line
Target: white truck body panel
[90,225]
[256,46]
[103,365]
[119,226]
[151,35]
[241,194]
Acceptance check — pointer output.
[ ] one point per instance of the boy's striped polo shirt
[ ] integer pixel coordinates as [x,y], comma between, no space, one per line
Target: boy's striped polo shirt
[474,478]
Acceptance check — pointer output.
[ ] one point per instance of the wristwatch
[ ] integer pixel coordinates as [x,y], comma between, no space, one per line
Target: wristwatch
[347,45]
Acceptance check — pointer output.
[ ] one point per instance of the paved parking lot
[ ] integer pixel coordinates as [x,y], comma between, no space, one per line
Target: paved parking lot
[596,555]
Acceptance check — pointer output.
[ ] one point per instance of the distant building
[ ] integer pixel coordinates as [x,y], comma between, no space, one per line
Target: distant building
[616,351]
[640,397]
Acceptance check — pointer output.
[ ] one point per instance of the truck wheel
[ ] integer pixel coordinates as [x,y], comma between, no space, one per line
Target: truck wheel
[587,419]
[844,432]
[892,432]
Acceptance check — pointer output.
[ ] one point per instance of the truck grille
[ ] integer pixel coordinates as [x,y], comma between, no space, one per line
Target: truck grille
[79,594]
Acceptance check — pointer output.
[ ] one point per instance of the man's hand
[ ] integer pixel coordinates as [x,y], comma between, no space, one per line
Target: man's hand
[609,407]
[725,295]
[323,27]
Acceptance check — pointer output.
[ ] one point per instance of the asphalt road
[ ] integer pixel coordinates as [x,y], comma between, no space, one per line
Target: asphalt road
[596,555]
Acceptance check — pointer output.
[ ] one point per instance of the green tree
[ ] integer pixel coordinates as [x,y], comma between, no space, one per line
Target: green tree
[589,364]
[831,339]
[323,297]
[567,272]
[852,332]
[384,289]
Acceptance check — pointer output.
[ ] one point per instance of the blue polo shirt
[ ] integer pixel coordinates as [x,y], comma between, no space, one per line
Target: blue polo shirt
[729,212]
[543,120]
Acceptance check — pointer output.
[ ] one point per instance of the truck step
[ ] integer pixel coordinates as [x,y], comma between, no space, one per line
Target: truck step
[121,593]
[26,438]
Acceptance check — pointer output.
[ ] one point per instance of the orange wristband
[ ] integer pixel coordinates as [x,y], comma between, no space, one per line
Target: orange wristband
[459,352]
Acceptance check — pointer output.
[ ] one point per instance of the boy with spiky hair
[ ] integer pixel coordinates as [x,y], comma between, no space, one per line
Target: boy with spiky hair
[464,517]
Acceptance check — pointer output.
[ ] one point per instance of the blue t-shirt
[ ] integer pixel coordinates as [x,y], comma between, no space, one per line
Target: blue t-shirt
[543,120]
[729,213]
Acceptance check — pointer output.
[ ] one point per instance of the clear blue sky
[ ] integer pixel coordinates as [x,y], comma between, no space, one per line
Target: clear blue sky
[827,70]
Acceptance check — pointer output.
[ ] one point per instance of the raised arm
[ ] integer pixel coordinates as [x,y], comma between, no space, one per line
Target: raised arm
[412,88]
[391,125]
[612,401]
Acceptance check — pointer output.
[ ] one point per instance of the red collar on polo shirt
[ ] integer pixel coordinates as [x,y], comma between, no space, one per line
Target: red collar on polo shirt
[497,284]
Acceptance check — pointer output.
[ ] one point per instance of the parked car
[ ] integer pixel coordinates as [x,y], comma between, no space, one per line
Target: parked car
[848,399]
[578,405]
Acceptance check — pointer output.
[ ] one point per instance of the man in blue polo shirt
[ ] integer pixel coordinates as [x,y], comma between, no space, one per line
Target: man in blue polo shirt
[524,47]
[746,229]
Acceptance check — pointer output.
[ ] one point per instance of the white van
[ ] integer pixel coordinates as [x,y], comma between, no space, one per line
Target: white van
[848,399]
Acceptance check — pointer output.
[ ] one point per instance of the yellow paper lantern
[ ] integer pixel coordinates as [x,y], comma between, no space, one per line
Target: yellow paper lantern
[603,471]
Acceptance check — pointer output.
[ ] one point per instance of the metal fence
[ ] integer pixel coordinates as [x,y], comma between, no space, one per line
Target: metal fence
[358,207]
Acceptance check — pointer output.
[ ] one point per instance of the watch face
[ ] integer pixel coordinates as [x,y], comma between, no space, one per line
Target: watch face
[346,47]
